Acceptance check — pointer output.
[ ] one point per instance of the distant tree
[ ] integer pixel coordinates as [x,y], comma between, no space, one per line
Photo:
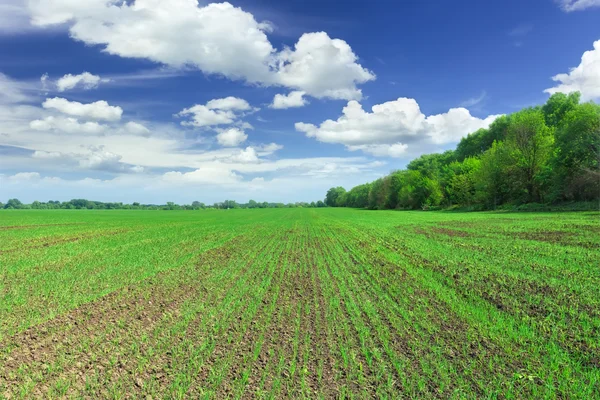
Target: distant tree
[331,199]
[13,203]
[196,205]
[321,204]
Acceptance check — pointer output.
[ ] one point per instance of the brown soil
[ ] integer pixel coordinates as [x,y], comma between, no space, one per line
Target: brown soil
[125,314]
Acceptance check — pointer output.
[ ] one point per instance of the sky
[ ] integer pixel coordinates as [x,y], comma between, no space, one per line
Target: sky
[155,101]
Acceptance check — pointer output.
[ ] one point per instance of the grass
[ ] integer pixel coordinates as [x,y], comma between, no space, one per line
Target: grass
[303,303]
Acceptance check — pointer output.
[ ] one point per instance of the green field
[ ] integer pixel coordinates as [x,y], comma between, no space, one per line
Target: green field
[303,303]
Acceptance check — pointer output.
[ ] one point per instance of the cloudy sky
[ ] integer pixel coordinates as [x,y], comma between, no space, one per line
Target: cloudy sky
[182,100]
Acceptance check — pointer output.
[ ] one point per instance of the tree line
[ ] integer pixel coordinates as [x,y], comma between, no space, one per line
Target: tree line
[546,154]
[79,204]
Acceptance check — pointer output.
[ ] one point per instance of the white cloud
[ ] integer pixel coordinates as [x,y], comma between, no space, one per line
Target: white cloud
[584,78]
[48,155]
[90,158]
[228,104]
[247,155]
[136,128]
[293,99]
[322,67]
[231,137]
[44,82]
[217,112]
[25,176]
[577,5]
[268,149]
[67,125]
[12,91]
[85,80]
[210,174]
[99,110]
[217,38]
[395,150]
[100,159]
[397,123]
[14,17]
[203,116]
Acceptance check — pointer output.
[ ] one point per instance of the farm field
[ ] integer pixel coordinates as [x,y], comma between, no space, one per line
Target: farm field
[302,303]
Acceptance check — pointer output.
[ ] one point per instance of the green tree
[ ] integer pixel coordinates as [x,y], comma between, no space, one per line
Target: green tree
[331,198]
[475,144]
[576,160]
[461,181]
[558,105]
[530,142]
[491,180]
[14,203]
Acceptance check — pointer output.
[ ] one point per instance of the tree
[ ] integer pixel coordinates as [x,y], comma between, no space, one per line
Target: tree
[558,105]
[331,199]
[461,181]
[359,196]
[530,141]
[252,204]
[14,203]
[576,160]
[377,195]
[196,205]
[492,180]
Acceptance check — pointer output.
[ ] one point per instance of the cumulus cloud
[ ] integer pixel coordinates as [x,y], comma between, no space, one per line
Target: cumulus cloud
[293,99]
[231,137]
[247,155]
[85,80]
[577,5]
[229,104]
[584,78]
[99,110]
[100,159]
[395,124]
[216,112]
[216,38]
[322,67]
[202,116]
[67,125]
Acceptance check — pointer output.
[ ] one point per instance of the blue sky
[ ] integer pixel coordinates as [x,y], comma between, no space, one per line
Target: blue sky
[268,100]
